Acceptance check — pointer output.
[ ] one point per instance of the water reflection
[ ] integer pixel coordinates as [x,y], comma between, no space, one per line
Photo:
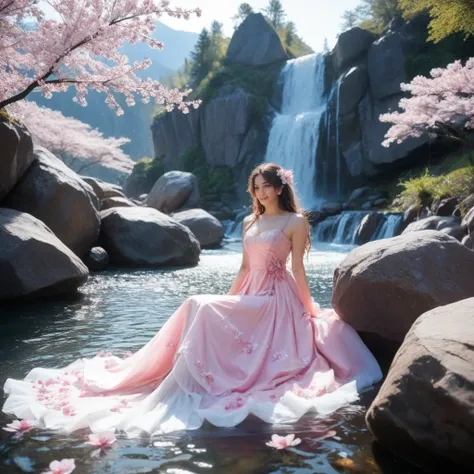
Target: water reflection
[121,311]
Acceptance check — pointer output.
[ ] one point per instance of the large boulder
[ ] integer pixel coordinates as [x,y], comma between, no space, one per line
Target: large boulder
[433,223]
[386,64]
[352,89]
[350,46]
[33,261]
[146,237]
[116,202]
[425,407]
[225,122]
[382,287]
[368,226]
[174,190]
[255,43]
[16,154]
[373,132]
[173,133]
[102,189]
[56,195]
[207,229]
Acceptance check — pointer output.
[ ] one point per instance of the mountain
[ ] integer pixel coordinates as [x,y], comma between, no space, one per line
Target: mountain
[136,121]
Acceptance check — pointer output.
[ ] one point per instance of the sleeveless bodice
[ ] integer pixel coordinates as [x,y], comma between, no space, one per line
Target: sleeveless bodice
[267,249]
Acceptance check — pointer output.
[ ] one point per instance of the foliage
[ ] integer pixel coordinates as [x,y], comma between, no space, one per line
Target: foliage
[452,177]
[75,142]
[425,55]
[447,17]
[213,182]
[442,105]
[372,15]
[258,81]
[275,13]
[63,51]
[145,173]
[243,12]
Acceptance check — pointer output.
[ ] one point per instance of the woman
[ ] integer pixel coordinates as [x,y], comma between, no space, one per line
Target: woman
[265,349]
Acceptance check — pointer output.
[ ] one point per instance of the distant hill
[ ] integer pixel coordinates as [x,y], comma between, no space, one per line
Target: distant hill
[136,121]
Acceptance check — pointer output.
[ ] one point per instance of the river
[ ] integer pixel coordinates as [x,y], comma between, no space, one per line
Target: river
[120,310]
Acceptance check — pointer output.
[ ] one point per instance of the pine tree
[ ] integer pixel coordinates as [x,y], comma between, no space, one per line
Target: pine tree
[349,20]
[243,12]
[326,48]
[290,33]
[275,13]
[201,58]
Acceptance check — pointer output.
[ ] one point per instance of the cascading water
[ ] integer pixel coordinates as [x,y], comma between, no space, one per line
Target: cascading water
[389,226]
[294,134]
[343,228]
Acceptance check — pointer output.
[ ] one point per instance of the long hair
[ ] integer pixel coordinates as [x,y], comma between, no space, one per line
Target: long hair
[287,200]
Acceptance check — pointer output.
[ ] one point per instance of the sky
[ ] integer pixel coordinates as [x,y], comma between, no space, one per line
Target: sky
[315,20]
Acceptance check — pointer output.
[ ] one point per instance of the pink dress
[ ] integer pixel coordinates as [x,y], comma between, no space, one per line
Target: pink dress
[217,358]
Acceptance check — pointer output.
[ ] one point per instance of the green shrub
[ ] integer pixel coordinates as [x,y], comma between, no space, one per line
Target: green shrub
[213,182]
[145,173]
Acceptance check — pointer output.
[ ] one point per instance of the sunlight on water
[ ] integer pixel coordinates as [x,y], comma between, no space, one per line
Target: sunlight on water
[121,311]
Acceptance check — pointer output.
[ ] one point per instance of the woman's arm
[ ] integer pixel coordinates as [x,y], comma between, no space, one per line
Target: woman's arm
[244,266]
[298,240]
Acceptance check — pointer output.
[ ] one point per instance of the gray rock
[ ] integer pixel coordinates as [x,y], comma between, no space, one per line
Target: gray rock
[56,195]
[352,88]
[331,208]
[102,189]
[433,223]
[361,193]
[174,190]
[142,236]
[350,46]
[368,226]
[386,65]
[468,222]
[16,154]
[424,408]
[143,197]
[96,260]
[468,241]
[116,202]
[224,126]
[173,133]
[382,287]
[33,261]
[464,206]
[444,207]
[455,231]
[255,43]
[373,132]
[207,229]
[380,202]
[366,206]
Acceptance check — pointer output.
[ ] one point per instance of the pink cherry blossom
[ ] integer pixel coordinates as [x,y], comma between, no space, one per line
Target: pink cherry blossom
[282,442]
[78,46]
[102,440]
[436,103]
[20,426]
[75,142]
[65,466]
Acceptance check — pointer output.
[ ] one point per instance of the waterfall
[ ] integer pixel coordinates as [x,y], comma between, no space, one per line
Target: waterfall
[343,228]
[294,134]
[388,227]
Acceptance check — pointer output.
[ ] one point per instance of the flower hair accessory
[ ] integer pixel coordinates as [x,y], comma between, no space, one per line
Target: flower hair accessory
[286,176]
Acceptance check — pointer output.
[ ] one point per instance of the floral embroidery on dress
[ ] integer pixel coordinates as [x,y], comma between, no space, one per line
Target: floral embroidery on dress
[206,376]
[276,268]
[307,315]
[249,347]
[234,404]
[279,356]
